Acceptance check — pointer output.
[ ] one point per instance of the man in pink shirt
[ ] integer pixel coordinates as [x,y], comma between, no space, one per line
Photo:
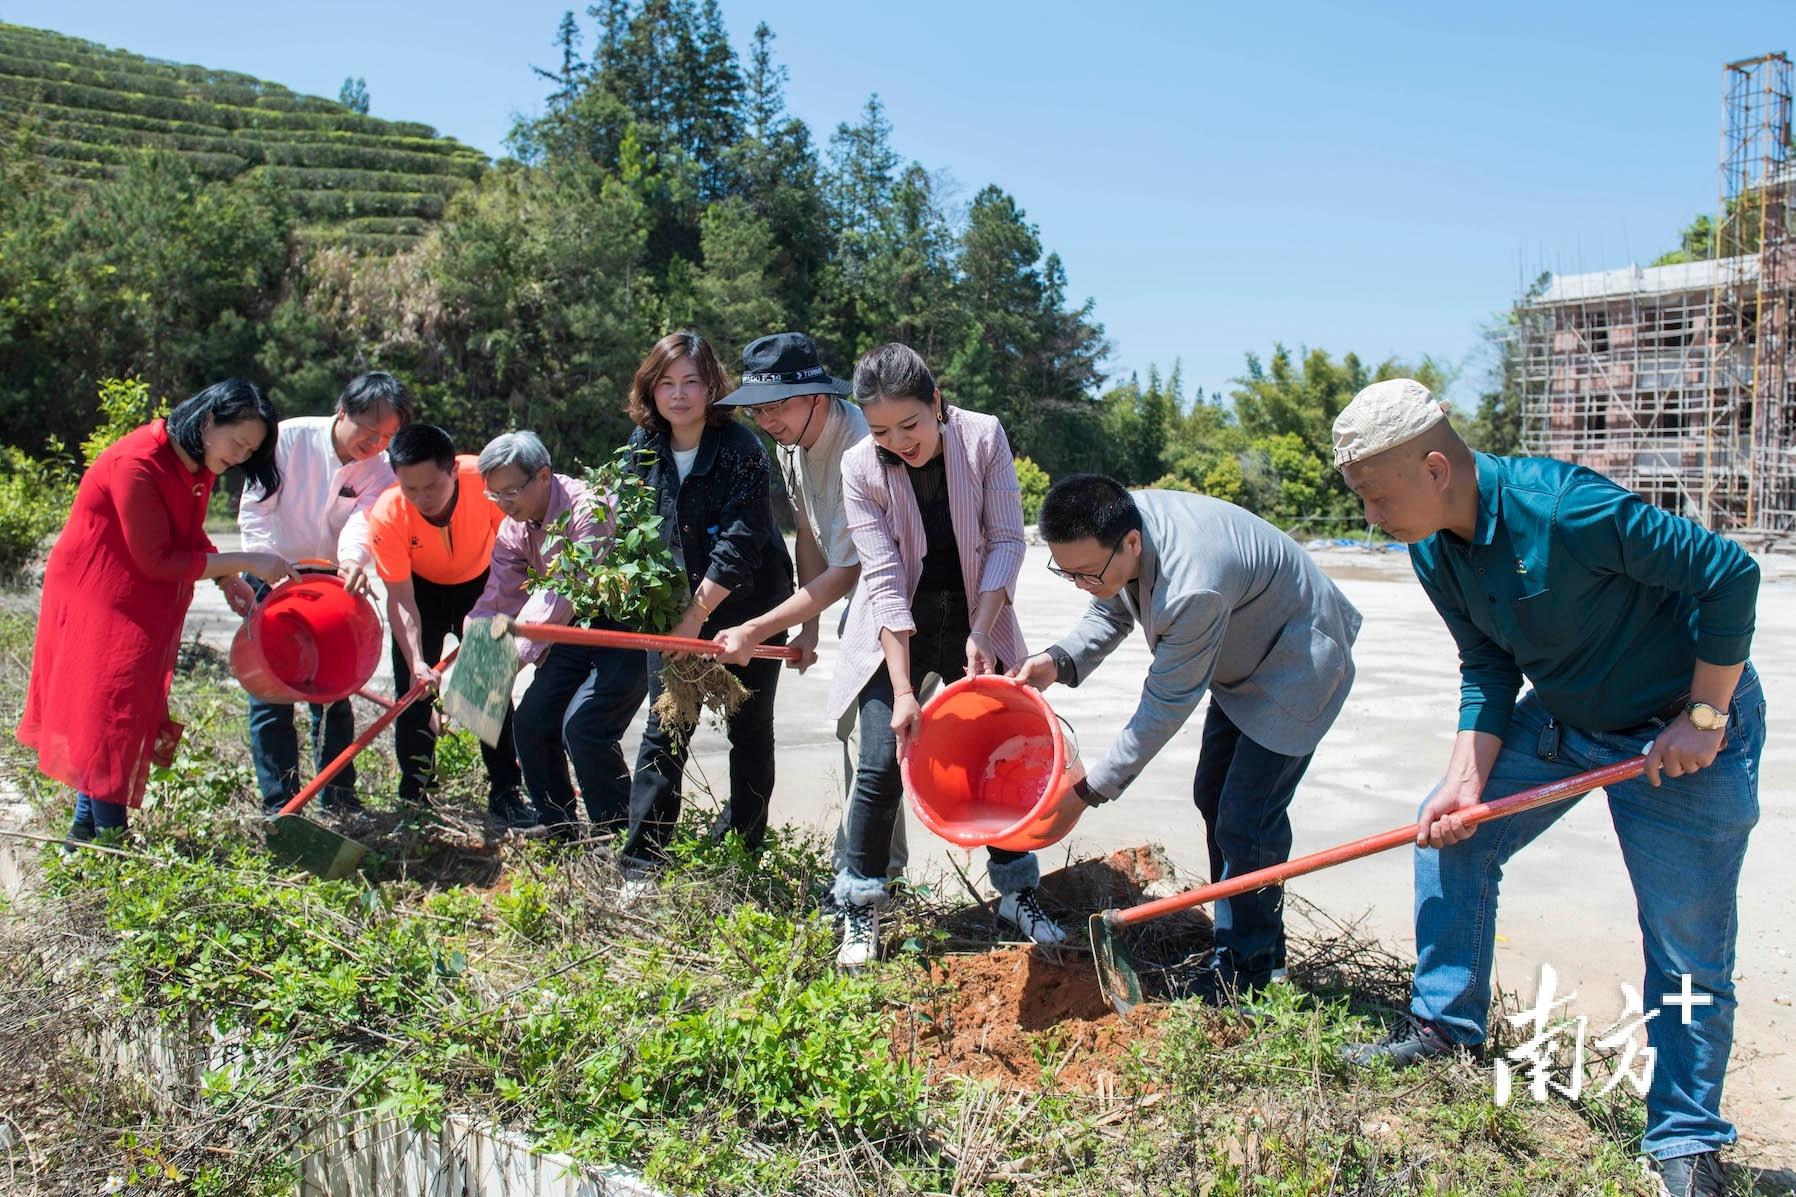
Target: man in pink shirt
[582,699]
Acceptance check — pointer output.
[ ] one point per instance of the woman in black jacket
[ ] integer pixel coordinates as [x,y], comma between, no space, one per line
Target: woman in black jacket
[713,485]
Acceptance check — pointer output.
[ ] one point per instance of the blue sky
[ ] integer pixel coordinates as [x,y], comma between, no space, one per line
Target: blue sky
[1377,177]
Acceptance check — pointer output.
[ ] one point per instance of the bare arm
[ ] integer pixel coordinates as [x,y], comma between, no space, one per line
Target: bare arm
[408,627]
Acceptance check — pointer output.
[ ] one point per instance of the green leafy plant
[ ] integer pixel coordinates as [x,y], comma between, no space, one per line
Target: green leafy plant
[632,579]
[1033,480]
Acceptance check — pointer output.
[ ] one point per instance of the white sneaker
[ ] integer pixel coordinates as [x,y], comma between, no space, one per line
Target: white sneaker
[638,886]
[1023,911]
[860,936]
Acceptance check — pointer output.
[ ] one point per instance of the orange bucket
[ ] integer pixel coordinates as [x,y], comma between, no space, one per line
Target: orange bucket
[308,640]
[991,765]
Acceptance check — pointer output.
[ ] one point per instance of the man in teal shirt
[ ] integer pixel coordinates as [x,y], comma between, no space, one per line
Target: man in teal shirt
[1633,626]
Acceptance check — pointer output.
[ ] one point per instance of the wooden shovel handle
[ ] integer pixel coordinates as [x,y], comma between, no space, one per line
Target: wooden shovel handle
[323,776]
[555,633]
[1484,812]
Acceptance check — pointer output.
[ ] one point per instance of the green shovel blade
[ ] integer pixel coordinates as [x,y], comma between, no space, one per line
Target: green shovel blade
[294,841]
[1116,968]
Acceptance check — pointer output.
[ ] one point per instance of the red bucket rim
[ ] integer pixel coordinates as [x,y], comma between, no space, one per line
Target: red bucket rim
[995,682]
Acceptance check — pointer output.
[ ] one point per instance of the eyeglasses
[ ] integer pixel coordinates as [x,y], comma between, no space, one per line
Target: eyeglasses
[1075,576]
[508,494]
[768,409]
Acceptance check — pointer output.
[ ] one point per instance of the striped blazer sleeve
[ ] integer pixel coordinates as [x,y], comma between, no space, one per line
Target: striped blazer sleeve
[882,565]
[1002,504]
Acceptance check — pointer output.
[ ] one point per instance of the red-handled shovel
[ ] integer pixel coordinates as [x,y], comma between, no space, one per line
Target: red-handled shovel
[480,688]
[295,840]
[1116,969]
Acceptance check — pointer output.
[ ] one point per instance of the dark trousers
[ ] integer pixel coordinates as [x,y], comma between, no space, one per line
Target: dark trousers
[1244,793]
[939,645]
[274,744]
[661,763]
[578,707]
[96,814]
[441,610]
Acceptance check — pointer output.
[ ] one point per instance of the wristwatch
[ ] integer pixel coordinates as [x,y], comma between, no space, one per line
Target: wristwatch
[1705,717]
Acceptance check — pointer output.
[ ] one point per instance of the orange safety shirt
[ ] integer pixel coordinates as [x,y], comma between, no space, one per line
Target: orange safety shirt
[405,543]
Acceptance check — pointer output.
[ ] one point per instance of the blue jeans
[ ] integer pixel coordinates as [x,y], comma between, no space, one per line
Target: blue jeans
[578,707]
[96,814]
[1244,793]
[274,744]
[1682,842]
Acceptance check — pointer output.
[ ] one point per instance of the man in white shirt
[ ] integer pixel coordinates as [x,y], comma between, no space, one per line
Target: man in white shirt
[796,402]
[332,469]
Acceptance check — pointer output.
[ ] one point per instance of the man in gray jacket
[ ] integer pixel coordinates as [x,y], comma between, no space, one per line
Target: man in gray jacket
[1229,605]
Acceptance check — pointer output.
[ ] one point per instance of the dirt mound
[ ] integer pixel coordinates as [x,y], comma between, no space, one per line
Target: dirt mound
[1027,1017]
[1019,1018]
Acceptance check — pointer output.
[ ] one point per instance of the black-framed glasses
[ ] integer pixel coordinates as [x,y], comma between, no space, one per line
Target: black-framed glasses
[1075,576]
[510,492]
[758,410]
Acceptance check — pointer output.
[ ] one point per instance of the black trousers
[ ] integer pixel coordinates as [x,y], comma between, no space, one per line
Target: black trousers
[577,708]
[441,610]
[661,764]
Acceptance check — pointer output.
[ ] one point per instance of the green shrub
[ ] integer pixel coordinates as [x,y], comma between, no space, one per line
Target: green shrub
[34,501]
[1034,483]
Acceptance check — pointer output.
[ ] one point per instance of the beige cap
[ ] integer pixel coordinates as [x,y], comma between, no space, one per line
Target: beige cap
[1383,416]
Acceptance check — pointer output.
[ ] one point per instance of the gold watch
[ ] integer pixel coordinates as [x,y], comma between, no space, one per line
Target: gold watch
[1705,717]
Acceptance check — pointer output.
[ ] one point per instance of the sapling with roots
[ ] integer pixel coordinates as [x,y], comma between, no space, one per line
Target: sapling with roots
[633,580]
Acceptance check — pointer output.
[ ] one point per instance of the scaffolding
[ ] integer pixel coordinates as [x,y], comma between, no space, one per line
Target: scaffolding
[1675,380]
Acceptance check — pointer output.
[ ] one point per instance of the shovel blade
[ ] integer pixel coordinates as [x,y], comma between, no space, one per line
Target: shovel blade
[1117,979]
[294,841]
[478,692]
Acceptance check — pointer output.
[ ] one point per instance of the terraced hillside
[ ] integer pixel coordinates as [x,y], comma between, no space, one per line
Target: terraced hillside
[355,179]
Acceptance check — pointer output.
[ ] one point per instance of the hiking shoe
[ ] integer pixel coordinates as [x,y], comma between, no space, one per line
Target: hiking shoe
[860,936]
[1696,1175]
[1023,910]
[1411,1041]
[507,812]
[79,834]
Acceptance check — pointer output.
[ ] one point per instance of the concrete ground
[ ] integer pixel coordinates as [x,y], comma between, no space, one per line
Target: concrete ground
[1566,899]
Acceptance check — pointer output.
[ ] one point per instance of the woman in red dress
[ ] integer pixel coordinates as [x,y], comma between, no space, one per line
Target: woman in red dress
[116,591]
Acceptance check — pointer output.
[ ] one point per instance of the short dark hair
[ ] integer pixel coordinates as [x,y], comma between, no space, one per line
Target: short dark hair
[366,392]
[416,444]
[230,402]
[1082,505]
[668,350]
[894,371]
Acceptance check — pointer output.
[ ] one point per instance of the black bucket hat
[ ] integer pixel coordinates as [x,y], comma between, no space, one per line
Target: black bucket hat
[780,366]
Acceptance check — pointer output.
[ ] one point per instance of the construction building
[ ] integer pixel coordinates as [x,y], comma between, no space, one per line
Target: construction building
[1676,381]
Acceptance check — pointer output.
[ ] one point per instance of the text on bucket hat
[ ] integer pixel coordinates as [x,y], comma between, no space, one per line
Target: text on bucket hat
[780,366]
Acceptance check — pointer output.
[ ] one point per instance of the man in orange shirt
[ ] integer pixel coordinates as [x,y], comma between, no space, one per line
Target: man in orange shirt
[433,537]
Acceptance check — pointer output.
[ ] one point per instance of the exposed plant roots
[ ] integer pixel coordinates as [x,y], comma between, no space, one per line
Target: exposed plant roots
[691,685]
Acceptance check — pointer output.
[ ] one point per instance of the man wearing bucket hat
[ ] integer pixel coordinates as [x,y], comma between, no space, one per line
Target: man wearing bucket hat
[1633,626]
[583,697]
[333,469]
[794,400]
[1230,606]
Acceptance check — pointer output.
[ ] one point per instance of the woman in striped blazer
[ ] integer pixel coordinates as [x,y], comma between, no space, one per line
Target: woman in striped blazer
[937,520]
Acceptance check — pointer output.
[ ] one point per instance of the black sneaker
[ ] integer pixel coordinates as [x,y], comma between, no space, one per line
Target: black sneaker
[79,834]
[271,807]
[1696,1175]
[1219,981]
[1411,1041]
[509,813]
[341,802]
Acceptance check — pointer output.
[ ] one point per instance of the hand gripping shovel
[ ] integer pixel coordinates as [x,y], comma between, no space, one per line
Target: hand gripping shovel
[480,688]
[297,842]
[1116,968]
